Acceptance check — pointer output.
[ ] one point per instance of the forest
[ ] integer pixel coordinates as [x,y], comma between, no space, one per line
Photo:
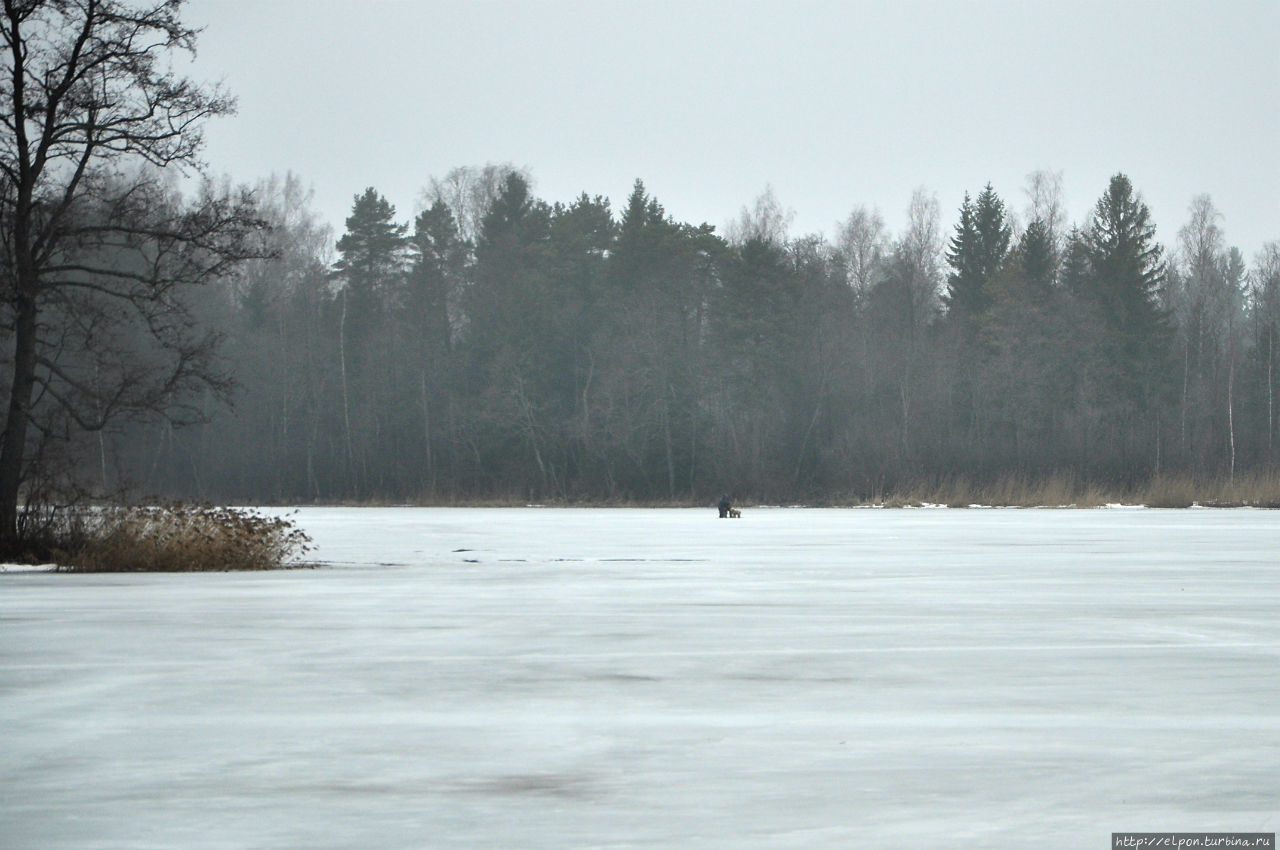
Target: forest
[499,347]
[171,338]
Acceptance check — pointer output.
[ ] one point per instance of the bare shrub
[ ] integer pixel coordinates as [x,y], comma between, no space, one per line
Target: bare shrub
[181,538]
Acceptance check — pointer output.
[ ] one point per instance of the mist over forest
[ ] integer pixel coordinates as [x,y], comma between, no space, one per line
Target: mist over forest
[205,339]
[499,346]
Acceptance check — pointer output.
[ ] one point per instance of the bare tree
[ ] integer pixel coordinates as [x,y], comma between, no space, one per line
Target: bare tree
[862,244]
[468,192]
[1206,296]
[1045,204]
[906,301]
[767,220]
[1265,301]
[96,250]
[920,247]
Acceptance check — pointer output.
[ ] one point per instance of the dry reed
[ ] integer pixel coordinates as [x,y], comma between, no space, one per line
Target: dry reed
[183,538]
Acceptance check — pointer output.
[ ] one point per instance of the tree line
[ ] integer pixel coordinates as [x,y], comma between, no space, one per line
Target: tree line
[499,346]
[221,344]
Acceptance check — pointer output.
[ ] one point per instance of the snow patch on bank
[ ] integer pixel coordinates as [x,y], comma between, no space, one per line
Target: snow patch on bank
[28,568]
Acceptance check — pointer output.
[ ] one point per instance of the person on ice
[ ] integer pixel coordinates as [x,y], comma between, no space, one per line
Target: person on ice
[724,505]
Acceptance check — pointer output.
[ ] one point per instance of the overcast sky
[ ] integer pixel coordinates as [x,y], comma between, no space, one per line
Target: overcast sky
[832,104]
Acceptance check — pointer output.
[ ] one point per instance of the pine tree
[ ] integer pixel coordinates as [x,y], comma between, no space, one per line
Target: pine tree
[436,277]
[370,268]
[372,259]
[504,300]
[647,350]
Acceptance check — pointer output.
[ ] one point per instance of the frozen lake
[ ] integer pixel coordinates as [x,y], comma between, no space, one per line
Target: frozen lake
[538,678]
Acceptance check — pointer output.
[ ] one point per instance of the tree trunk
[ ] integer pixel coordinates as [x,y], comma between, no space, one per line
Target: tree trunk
[426,437]
[904,396]
[1270,396]
[1158,445]
[14,439]
[804,444]
[669,455]
[1186,373]
[346,404]
[693,452]
[1231,422]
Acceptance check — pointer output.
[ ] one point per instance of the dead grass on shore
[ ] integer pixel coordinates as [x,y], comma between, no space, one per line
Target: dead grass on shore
[1260,490]
[1254,490]
[1059,490]
[1007,491]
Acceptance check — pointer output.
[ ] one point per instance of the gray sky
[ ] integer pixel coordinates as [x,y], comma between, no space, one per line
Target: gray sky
[833,104]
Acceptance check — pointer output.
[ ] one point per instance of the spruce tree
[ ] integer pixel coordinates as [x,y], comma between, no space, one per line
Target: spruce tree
[963,284]
[640,252]
[1075,264]
[994,232]
[976,253]
[1037,260]
[1126,271]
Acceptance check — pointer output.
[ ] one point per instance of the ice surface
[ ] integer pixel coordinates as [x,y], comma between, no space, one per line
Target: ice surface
[534,678]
